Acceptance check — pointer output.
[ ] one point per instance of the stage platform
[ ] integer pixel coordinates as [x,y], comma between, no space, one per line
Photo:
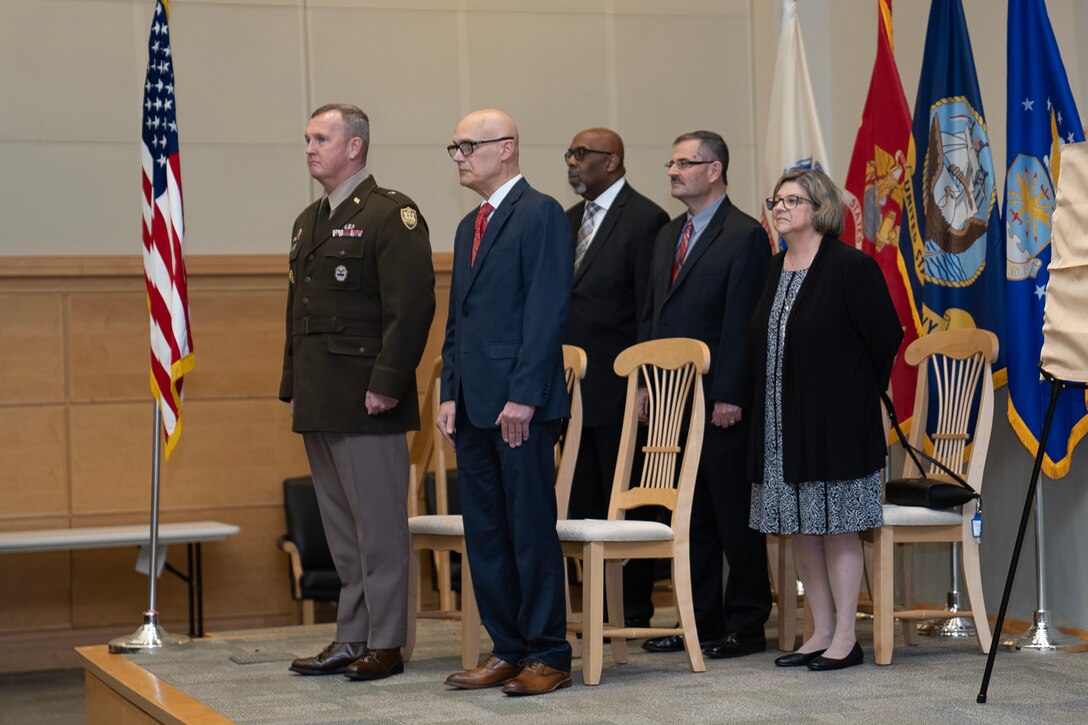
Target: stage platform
[242,677]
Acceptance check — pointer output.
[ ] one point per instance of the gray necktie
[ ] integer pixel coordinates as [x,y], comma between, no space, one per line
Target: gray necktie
[585,234]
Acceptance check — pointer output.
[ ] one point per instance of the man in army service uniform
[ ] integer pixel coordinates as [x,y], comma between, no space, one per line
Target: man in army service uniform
[359,305]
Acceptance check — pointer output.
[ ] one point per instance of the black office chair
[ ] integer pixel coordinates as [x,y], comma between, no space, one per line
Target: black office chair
[313,575]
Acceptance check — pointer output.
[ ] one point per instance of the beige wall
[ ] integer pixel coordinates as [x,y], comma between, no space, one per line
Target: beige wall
[249,72]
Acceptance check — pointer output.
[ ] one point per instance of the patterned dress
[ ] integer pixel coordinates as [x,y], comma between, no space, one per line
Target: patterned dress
[809,507]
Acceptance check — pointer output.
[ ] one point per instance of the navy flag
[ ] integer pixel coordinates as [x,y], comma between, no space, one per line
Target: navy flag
[952,245]
[1042,116]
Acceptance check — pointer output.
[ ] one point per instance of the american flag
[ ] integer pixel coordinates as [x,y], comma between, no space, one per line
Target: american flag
[164,265]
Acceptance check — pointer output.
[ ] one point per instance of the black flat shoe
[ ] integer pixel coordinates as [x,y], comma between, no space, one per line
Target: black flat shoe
[796,659]
[821,663]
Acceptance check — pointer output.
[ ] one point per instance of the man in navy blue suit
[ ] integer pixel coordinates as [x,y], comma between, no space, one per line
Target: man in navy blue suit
[503,395]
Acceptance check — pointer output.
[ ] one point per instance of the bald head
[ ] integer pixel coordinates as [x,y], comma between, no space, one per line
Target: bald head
[493,159]
[594,161]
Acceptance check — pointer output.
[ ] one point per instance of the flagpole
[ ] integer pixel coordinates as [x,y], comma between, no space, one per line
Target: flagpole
[149,636]
[1042,637]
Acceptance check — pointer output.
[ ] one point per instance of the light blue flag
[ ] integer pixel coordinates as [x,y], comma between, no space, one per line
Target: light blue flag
[1042,116]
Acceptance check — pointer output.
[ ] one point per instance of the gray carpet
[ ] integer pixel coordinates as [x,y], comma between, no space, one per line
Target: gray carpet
[934,682]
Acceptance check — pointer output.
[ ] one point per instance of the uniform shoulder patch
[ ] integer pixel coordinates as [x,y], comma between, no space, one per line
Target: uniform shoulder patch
[409,217]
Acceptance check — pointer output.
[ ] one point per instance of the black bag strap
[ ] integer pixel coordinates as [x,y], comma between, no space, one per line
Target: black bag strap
[914,452]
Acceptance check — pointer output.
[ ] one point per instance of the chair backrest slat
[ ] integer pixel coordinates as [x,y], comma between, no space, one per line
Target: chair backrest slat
[566,449]
[955,375]
[671,372]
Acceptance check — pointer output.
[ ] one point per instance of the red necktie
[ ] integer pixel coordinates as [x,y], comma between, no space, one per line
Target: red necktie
[481,227]
[681,250]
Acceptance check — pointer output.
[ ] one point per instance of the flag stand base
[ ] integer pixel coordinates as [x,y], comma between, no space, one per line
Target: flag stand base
[1044,638]
[953,626]
[148,638]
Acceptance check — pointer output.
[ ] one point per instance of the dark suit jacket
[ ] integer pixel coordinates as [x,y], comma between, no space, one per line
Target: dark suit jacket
[360,301]
[608,297]
[508,312]
[841,339]
[713,297]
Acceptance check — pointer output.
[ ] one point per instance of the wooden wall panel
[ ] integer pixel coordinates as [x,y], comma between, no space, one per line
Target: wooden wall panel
[108,338]
[32,355]
[246,574]
[107,589]
[238,338]
[75,441]
[33,461]
[111,457]
[36,587]
[438,325]
[233,453]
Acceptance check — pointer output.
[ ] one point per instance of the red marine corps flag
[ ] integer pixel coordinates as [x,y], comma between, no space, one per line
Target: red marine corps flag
[874,194]
[164,265]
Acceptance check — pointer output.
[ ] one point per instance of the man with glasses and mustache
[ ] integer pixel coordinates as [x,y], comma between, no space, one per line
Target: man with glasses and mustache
[708,270]
[503,396]
[614,229]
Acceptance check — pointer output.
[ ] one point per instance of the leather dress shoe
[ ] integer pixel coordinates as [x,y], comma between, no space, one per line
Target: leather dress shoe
[671,643]
[376,664]
[735,644]
[332,660]
[536,678]
[821,663]
[636,622]
[492,673]
[796,659]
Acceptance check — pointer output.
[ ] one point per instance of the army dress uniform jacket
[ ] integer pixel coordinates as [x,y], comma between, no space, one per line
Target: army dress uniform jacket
[359,306]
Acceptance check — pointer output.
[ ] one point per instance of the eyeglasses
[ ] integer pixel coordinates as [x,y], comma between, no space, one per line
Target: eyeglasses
[580,153]
[467,147]
[684,164]
[790,202]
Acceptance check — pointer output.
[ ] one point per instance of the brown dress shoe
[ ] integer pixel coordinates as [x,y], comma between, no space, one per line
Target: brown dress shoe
[376,664]
[332,660]
[536,678]
[492,673]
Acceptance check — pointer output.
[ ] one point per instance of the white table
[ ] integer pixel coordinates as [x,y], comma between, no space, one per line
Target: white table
[190,533]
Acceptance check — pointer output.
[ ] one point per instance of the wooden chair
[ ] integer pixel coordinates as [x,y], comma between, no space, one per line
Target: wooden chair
[960,361]
[427,454]
[672,371]
[438,532]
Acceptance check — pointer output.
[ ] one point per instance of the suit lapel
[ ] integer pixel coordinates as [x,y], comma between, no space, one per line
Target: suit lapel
[494,228]
[601,237]
[670,233]
[707,239]
[346,211]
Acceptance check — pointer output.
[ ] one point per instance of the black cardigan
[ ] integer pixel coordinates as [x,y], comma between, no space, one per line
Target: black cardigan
[841,340]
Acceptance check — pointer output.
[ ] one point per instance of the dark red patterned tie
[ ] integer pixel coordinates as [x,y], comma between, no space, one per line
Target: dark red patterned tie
[481,227]
[681,250]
